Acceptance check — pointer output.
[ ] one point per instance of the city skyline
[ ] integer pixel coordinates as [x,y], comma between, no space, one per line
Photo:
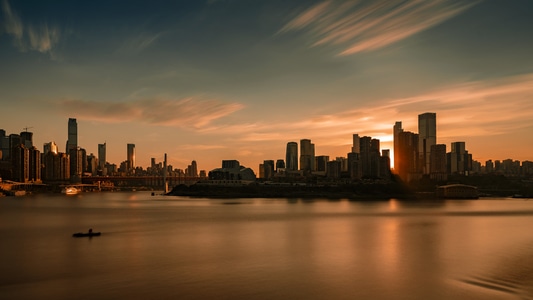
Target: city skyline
[246,79]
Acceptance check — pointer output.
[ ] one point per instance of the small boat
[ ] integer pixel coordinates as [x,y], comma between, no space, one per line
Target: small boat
[70,190]
[86,234]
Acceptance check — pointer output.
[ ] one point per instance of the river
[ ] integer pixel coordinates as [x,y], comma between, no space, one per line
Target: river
[157,247]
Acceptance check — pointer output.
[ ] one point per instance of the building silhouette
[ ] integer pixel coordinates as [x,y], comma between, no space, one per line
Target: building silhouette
[130,161]
[20,160]
[291,157]
[438,163]
[102,156]
[321,163]
[72,141]
[396,144]
[407,156]
[76,158]
[280,165]
[268,169]
[427,137]
[307,156]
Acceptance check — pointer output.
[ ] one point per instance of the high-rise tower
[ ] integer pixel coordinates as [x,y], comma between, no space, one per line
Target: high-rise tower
[427,137]
[397,129]
[291,156]
[131,157]
[101,156]
[307,156]
[72,142]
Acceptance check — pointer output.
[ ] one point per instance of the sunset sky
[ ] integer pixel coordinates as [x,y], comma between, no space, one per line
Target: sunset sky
[222,79]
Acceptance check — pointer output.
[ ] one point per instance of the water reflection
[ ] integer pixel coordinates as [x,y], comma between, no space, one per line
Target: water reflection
[166,247]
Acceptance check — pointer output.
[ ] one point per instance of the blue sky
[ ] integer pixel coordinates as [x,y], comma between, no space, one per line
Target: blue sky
[213,80]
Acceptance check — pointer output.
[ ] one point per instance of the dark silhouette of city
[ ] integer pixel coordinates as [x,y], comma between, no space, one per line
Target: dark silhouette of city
[421,165]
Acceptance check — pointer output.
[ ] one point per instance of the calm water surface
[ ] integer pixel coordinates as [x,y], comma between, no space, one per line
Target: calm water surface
[156,247]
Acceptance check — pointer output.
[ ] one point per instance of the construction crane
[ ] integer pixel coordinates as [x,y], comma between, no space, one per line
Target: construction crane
[26,128]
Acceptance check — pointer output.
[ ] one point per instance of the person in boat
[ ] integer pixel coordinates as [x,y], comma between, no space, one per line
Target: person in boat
[90,230]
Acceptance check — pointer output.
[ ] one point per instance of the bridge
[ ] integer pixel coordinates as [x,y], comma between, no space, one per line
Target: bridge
[146,181]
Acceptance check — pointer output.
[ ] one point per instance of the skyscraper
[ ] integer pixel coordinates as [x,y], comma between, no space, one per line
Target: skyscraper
[438,166]
[456,158]
[356,148]
[307,156]
[72,142]
[101,156]
[26,138]
[291,156]
[427,137]
[131,157]
[408,156]
[396,132]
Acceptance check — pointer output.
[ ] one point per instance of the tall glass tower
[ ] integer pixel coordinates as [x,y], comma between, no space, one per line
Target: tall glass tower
[427,137]
[72,142]
[291,157]
[307,155]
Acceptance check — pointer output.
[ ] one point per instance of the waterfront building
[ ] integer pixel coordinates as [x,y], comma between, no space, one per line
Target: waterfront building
[50,147]
[14,141]
[231,170]
[92,164]
[102,155]
[354,165]
[280,165]
[192,169]
[375,159]
[427,137]
[489,166]
[72,141]
[26,138]
[76,164]
[407,156]
[307,156]
[35,167]
[321,163]
[369,156]
[438,162]
[231,164]
[268,169]
[20,159]
[396,144]
[527,168]
[344,163]
[356,144]
[333,169]
[457,158]
[291,157]
[384,164]
[130,161]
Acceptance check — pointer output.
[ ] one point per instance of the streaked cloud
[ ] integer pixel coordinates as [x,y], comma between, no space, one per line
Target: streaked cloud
[187,113]
[360,26]
[40,38]
[467,109]
[136,44]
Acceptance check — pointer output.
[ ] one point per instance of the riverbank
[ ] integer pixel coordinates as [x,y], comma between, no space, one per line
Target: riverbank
[347,191]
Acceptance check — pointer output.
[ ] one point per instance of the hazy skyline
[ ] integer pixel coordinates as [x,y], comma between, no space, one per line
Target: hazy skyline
[213,80]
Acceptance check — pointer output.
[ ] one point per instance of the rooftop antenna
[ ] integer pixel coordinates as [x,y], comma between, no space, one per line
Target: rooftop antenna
[26,128]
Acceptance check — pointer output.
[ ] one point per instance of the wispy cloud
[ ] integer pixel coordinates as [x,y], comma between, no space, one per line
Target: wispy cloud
[40,38]
[136,44]
[359,26]
[187,113]
[464,110]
